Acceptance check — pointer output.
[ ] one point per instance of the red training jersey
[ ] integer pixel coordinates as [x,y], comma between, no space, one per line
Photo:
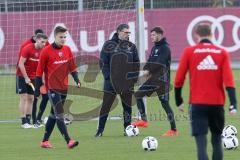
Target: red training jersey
[209,70]
[56,65]
[32,57]
[25,43]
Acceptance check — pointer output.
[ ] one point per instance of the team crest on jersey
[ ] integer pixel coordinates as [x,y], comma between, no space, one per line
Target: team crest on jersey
[36,54]
[60,54]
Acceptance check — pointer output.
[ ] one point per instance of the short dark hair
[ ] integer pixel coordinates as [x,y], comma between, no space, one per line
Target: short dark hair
[158,30]
[38,31]
[41,35]
[60,29]
[203,30]
[122,26]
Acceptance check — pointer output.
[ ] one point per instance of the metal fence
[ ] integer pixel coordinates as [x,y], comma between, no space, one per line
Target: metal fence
[53,5]
[190,3]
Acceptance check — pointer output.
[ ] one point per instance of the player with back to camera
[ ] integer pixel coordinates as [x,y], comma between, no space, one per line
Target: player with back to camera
[209,72]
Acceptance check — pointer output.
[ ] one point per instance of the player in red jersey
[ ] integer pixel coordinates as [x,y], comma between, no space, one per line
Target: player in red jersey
[209,71]
[26,73]
[44,100]
[56,62]
[29,41]
[27,116]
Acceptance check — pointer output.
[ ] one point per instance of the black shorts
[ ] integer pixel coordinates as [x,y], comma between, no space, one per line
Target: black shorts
[204,116]
[57,100]
[22,87]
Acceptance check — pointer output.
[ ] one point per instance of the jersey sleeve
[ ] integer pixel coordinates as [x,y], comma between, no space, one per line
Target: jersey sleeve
[24,52]
[182,70]
[227,71]
[42,63]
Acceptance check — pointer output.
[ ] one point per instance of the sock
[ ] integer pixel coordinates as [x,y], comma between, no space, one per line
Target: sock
[166,106]
[24,120]
[201,141]
[49,127]
[34,110]
[28,118]
[63,129]
[217,147]
[42,106]
[141,109]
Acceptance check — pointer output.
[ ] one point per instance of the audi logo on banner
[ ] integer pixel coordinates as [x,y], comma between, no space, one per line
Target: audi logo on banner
[217,25]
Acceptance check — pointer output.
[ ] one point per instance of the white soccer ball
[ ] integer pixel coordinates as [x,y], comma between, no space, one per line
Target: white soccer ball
[149,143]
[229,130]
[67,120]
[45,120]
[230,142]
[132,131]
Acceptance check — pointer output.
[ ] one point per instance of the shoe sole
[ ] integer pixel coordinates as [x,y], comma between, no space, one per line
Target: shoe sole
[46,147]
[170,135]
[75,144]
[140,126]
[98,135]
[27,127]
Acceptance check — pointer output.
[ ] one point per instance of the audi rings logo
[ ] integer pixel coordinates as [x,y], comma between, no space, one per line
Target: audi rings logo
[217,25]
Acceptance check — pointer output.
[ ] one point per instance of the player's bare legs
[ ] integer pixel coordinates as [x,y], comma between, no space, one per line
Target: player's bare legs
[29,103]
[22,104]
[22,108]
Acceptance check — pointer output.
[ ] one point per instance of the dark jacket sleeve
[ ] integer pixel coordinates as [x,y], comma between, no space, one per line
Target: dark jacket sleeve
[133,70]
[105,63]
[136,61]
[157,62]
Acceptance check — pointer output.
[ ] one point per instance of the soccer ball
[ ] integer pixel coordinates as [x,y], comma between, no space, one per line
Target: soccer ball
[149,143]
[67,120]
[45,120]
[230,142]
[132,131]
[229,130]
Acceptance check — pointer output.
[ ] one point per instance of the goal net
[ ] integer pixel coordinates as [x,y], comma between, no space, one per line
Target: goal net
[90,24]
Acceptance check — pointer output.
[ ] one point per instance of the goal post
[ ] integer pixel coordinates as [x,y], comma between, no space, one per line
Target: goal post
[141,39]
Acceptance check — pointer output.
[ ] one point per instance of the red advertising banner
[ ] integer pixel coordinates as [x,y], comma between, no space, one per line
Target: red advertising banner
[179,26]
[89,29]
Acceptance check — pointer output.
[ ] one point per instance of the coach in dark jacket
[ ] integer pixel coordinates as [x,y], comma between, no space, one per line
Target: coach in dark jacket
[157,69]
[119,62]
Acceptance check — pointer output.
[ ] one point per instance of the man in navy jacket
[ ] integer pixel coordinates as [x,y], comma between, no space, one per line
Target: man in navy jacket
[119,62]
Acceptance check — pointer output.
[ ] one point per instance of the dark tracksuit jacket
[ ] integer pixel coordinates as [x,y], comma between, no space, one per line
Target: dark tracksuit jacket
[119,62]
[158,65]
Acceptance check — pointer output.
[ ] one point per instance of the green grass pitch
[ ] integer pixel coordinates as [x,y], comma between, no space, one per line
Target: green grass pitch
[23,144]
